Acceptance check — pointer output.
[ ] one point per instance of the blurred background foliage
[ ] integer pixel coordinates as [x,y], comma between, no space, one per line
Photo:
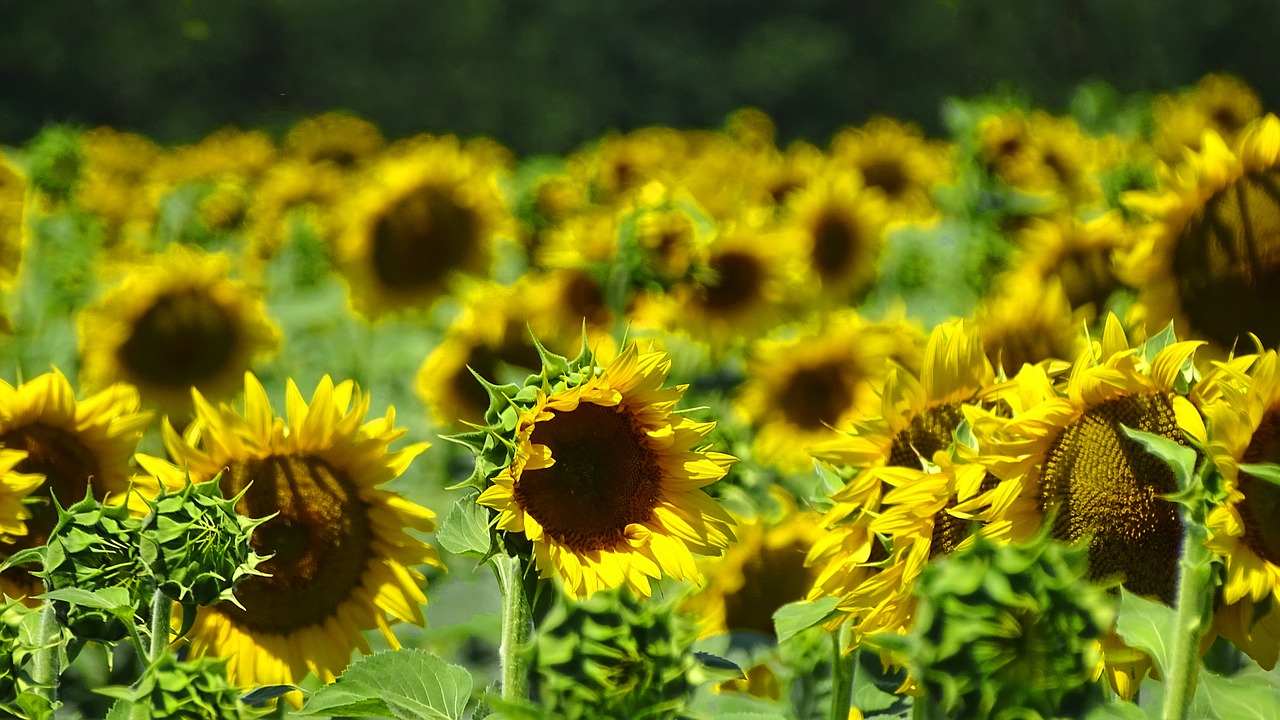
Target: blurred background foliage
[547,76]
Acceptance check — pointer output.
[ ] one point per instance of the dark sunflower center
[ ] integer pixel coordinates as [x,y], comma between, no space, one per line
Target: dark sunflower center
[68,468]
[420,239]
[321,541]
[1261,504]
[605,477]
[888,175]
[1025,343]
[928,432]
[1106,487]
[183,339]
[1087,278]
[1228,120]
[1061,168]
[816,397]
[739,277]
[772,578]
[584,300]
[948,530]
[836,242]
[1227,262]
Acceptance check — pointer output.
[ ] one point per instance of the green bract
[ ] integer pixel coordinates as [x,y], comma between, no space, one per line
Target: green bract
[173,689]
[16,646]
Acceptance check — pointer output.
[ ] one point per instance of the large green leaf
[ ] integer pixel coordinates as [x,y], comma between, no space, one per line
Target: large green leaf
[1251,694]
[1147,625]
[465,530]
[797,616]
[405,684]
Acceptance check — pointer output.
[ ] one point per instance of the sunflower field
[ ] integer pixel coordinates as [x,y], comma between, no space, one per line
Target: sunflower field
[681,424]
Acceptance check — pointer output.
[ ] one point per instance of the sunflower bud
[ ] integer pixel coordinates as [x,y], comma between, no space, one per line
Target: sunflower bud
[179,689]
[1007,627]
[93,547]
[196,546]
[614,656]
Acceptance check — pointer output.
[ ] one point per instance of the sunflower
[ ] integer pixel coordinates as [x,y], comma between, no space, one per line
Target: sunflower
[1210,260]
[903,487]
[427,214]
[896,161]
[341,559]
[800,387]
[1242,413]
[1078,253]
[242,154]
[1221,103]
[842,230]
[14,487]
[175,322]
[1026,321]
[760,573]
[117,184]
[13,193]
[70,446]
[335,138]
[606,480]
[292,193]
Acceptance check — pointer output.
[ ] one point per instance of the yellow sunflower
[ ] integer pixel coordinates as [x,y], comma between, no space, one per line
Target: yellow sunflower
[175,322]
[243,154]
[896,511]
[335,138]
[895,160]
[342,561]
[70,445]
[426,215]
[841,228]
[760,573]
[1210,260]
[117,184]
[606,482]
[1026,321]
[15,485]
[13,193]
[1081,254]
[1221,103]
[801,387]
[1242,414]
[290,193]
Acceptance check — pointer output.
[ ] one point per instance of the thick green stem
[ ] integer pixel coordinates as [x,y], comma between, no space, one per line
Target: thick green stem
[1195,597]
[842,669]
[161,616]
[45,672]
[515,628]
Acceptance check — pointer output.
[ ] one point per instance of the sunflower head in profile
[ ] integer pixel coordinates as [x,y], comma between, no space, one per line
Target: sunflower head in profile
[336,138]
[1210,259]
[342,561]
[1242,415]
[841,228]
[599,478]
[173,323]
[13,195]
[800,387]
[897,162]
[70,445]
[427,214]
[760,573]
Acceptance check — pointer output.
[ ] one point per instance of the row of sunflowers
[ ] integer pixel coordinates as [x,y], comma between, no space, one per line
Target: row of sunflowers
[710,407]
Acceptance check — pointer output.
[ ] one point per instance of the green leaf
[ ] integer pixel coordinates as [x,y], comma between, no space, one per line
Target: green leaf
[120,710]
[1263,471]
[797,616]
[1118,711]
[114,600]
[23,557]
[1251,694]
[406,684]
[257,696]
[1181,458]
[1147,625]
[465,530]
[1161,340]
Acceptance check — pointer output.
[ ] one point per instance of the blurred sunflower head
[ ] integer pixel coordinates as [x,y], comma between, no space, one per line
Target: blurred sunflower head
[1210,259]
[335,138]
[896,161]
[760,573]
[1223,104]
[243,154]
[800,387]
[13,195]
[70,445]
[426,215]
[117,183]
[173,323]
[292,194]
[604,479]
[1242,416]
[1026,321]
[1068,458]
[668,236]
[1081,254]
[342,561]
[621,165]
[841,228]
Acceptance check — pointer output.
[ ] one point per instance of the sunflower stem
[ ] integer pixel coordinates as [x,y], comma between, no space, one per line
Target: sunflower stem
[45,672]
[1195,596]
[515,628]
[842,670]
[161,616]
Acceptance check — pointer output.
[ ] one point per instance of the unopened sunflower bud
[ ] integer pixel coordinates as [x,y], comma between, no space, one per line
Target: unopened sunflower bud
[174,689]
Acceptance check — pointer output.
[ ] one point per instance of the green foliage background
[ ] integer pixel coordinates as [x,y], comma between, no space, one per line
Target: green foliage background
[548,75]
